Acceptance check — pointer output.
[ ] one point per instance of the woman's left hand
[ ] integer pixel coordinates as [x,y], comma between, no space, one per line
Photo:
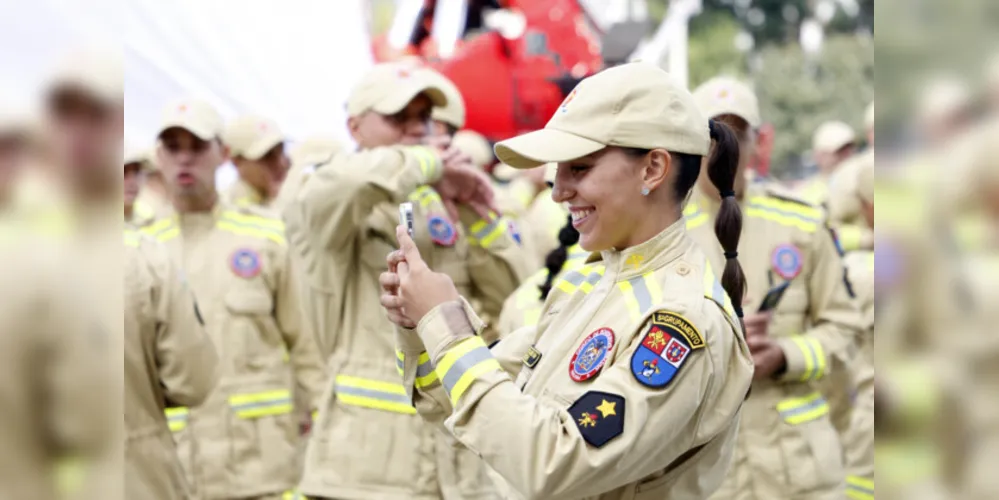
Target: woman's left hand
[412,290]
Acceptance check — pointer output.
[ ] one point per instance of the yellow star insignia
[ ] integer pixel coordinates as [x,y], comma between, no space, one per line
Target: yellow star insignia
[635,260]
[606,408]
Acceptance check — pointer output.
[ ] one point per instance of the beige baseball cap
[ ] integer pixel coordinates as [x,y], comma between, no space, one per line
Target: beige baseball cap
[475,145]
[194,115]
[387,88]
[831,136]
[137,155]
[454,112]
[636,105]
[728,96]
[252,136]
[98,74]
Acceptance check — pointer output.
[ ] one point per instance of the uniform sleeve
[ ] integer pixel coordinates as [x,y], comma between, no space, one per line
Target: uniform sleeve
[303,351]
[496,263]
[324,222]
[831,342]
[854,237]
[185,356]
[616,433]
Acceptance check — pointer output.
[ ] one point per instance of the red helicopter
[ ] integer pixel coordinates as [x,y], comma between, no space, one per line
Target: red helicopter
[514,59]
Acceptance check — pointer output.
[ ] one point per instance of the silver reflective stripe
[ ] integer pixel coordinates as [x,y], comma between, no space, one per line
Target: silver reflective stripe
[400,364]
[373,394]
[718,293]
[486,231]
[594,277]
[778,211]
[641,294]
[472,358]
[424,369]
[574,278]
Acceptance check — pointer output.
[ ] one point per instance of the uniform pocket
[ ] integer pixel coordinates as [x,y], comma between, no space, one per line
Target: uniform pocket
[251,330]
[811,447]
[264,432]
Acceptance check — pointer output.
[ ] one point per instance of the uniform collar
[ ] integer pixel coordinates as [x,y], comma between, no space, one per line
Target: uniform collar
[243,193]
[670,244]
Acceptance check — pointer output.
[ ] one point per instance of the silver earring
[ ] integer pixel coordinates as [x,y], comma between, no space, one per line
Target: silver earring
[645,191]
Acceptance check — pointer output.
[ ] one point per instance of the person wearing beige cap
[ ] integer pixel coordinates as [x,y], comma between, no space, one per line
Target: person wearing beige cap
[367,442]
[242,441]
[804,336]
[845,214]
[631,384]
[858,441]
[832,143]
[256,147]
[136,166]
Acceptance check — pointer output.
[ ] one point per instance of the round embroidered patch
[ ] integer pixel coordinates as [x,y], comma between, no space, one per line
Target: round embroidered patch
[591,355]
[442,232]
[245,263]
[786,261]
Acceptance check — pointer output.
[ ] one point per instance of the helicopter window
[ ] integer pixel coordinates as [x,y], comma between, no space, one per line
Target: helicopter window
[536,43]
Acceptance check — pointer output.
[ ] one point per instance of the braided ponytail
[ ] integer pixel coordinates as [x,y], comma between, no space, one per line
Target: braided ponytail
[555,261]
[722,170]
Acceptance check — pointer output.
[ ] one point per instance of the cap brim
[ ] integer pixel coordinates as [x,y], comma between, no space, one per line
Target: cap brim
[203,133]
[399,100]
[547,145]
[262,146]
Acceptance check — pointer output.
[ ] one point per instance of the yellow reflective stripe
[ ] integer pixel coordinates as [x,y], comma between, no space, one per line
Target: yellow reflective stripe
[691,209]
[820,357]
[784,220]
[251,231]
[630,300]
[261,404]
[374,394]
[132,239]
[176,418]
[849,237]
[255,220]
[485,231]
[157,226]
[714,290]
[425,374]
[804,409]
[812,213]
[807,354]
[292,495]
[464,363]
[425,196]
[655,290]
[426,160]
[859,488]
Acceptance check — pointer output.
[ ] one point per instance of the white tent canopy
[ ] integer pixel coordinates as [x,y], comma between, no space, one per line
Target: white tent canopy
[293,61]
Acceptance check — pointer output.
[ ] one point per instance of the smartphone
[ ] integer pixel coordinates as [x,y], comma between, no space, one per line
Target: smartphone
[406,217]
[773,297]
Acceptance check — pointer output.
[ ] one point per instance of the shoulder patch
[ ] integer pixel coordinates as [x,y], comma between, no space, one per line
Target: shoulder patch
[531,357]
[442,232]
[664,349]
[787,261]
[591,355]
[245,263]
[599,417]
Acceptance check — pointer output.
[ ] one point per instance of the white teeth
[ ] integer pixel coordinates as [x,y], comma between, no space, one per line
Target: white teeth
[578,215]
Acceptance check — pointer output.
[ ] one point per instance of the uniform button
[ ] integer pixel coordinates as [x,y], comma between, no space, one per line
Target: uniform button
[683,269]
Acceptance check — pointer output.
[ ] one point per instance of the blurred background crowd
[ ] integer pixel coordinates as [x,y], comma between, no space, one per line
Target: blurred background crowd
[811,64]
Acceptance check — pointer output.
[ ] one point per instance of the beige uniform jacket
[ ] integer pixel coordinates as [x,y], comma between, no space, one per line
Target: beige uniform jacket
[845,214]
[788,447]
[297,176]
[168,357]
[523,307]
[241,194]
[368,442]
[629,387]
[59,380]
[244,436]
[859,440]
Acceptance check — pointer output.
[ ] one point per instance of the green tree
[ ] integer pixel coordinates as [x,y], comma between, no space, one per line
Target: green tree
[797,94]
[712,51]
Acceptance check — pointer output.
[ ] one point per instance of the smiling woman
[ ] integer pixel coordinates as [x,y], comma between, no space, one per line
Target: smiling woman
[631,383]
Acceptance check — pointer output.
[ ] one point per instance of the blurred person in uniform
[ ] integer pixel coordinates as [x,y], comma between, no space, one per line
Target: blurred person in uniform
[153,194]
[595,401]
[368,442]
[136,167]
[858,441]
[845,214]
[788,446]
[83,119]
[15,145]
[256,148]
[832,144]
[304,158]
[169,360]
[244,437]
[943,110]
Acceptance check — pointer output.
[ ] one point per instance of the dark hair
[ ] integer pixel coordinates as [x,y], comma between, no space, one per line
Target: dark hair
[555,261]
[723,166]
